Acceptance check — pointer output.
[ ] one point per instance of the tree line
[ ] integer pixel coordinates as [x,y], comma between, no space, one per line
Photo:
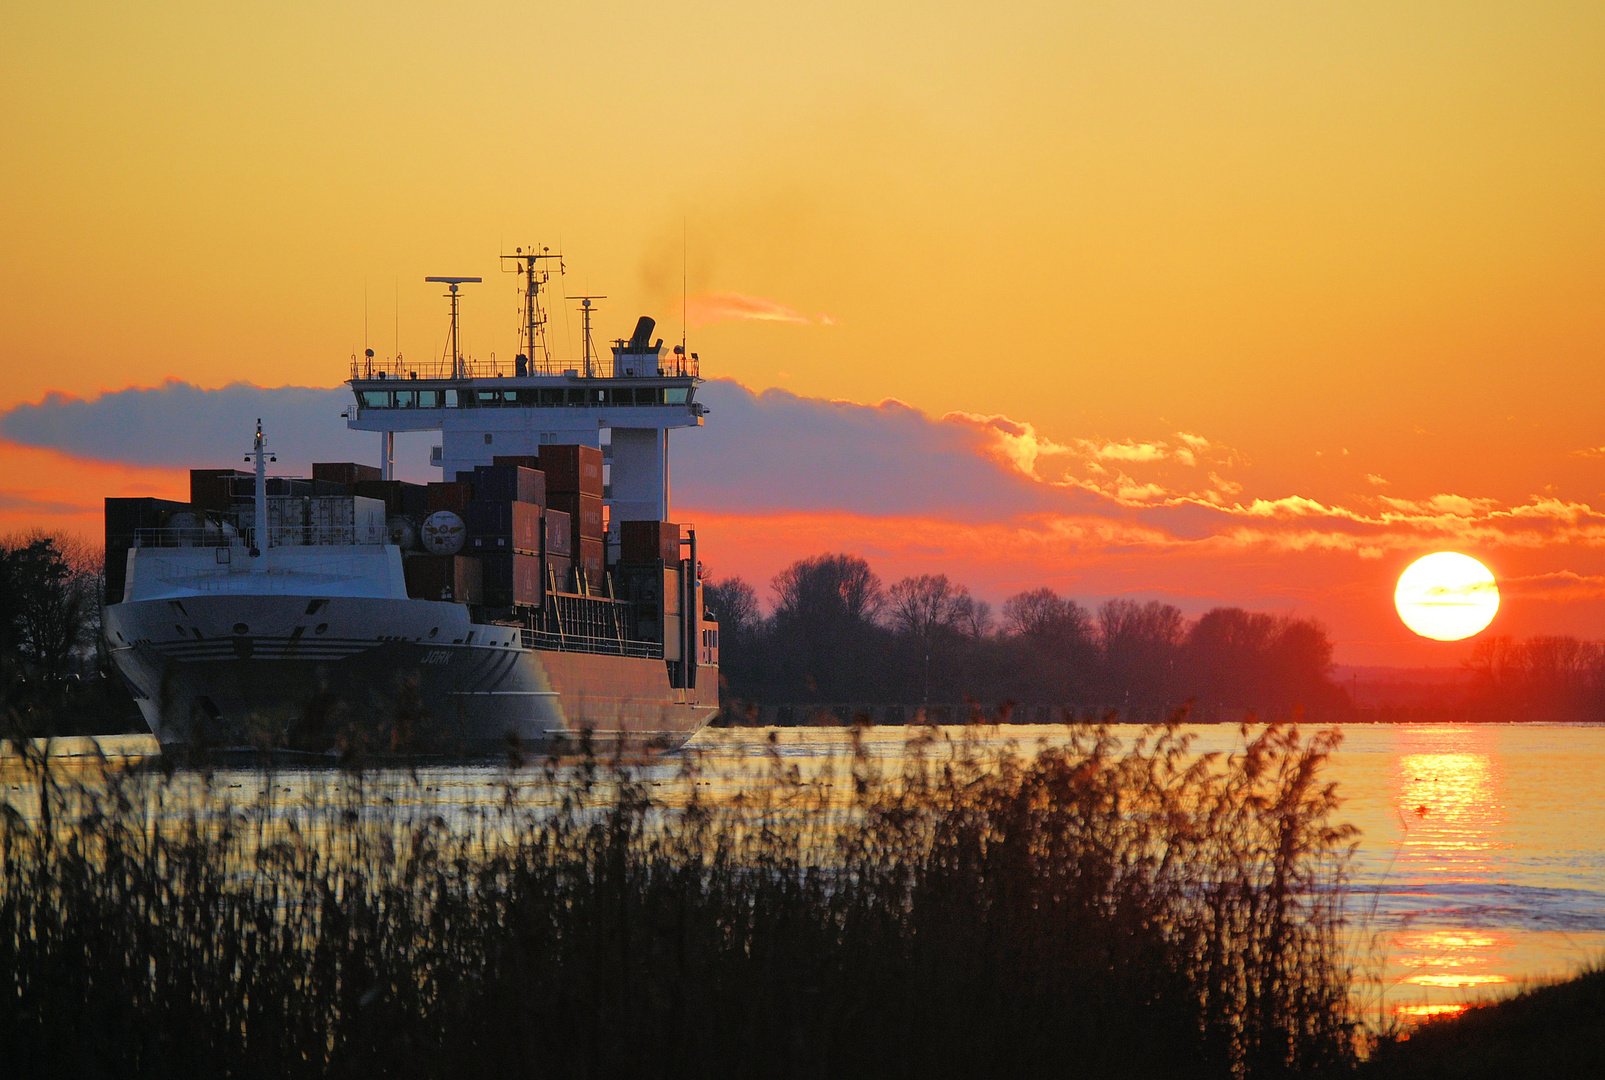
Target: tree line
[1540,678]
[837,633]
[52,664]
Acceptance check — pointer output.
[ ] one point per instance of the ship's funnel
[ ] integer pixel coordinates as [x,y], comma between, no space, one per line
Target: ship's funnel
[641,340]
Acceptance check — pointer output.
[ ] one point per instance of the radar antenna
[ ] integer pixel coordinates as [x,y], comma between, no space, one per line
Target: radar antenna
[534,329]
[457,370]
[590,346]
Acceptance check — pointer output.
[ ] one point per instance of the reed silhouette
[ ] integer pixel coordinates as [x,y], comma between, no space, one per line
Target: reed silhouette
[1090,909]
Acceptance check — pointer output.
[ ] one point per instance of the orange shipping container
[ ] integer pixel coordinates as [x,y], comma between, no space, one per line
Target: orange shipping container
[584,511]
[513,579]
[588,557]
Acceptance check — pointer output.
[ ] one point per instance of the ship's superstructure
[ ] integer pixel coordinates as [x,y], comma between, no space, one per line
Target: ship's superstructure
[537,593]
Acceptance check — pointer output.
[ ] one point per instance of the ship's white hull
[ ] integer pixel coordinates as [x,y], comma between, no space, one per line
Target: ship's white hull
[382,675]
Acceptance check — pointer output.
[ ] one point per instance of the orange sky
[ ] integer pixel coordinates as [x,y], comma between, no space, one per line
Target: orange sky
[1359,246]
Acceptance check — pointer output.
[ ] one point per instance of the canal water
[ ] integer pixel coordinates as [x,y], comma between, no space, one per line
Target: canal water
[1481,864]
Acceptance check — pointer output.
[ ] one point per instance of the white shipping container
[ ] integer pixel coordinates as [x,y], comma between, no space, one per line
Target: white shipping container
[287,518]
[346,519]
[323,519]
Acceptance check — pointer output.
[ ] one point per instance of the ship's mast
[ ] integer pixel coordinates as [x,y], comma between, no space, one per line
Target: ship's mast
[590,346]
[263,536]
[457,371]
[534,328]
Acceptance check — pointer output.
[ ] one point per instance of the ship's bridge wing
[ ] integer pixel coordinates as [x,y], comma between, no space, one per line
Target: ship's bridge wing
[625,407]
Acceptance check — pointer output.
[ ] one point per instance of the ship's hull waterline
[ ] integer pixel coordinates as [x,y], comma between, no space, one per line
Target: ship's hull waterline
[276,672]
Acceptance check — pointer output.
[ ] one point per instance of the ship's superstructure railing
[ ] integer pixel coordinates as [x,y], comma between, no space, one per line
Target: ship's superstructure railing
[363,369]
[278,536]
[594,624]
[406,395]
[607,646]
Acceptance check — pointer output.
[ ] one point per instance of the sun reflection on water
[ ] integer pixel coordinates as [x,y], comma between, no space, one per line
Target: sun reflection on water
[1447,794]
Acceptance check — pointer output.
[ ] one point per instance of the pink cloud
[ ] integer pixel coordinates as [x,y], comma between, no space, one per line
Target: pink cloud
[738,307]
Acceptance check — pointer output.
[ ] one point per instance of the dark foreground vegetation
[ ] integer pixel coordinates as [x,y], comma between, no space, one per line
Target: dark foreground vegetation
[1097,911]
[1547,1031]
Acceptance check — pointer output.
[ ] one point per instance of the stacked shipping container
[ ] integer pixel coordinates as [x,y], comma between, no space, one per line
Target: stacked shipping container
[504,527]
[574,487]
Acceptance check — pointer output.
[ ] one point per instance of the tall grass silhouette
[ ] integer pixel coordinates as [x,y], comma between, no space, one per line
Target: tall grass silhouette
[1091,909]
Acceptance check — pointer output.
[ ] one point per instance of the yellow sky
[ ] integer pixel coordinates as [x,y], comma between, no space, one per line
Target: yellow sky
[1289,227]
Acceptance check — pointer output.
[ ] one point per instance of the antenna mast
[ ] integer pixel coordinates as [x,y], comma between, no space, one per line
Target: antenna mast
[534,328]
[590,346]
[457,369]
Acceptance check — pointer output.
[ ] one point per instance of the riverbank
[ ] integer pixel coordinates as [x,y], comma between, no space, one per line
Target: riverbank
[1548,1031]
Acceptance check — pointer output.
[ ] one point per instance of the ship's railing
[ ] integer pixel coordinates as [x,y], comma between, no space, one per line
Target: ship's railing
[608,646]
[675,365]
[278,536]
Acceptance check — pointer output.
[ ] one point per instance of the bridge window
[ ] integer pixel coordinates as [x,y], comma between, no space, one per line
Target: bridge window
[676,395]
[488,398]
[376,399]
[576,396]
[429,399]
[551,397]
[406,399]
[648,395]
[451,398]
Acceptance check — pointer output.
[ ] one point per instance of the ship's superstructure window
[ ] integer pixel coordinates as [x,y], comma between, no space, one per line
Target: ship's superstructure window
[406,399]
[376,399]
[676,395]
[429,399]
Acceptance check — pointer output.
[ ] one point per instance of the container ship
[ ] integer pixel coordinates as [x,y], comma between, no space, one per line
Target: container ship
[538,596]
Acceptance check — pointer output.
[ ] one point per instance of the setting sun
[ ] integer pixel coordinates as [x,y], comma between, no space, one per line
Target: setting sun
[1446,596]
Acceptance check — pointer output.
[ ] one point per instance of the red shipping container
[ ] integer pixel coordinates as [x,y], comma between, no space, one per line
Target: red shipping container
[513,579]
[390,491]
[214,489]
[449,496]
[509,483]
[345,472]
[559,533]
[444,577]
[584,511]
[505,526]
[571,468]
[649,541]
